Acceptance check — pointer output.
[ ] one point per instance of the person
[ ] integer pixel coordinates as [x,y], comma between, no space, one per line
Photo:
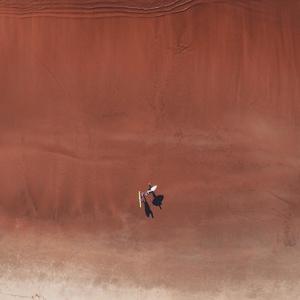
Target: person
[148,210]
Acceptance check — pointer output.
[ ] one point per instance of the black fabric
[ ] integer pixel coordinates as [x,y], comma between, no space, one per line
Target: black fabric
[157,201]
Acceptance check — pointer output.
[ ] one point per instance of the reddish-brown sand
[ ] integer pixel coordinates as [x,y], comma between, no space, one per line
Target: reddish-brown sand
[100,97]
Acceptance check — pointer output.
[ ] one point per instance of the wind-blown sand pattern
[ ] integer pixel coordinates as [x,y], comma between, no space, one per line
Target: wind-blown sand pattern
[98,98]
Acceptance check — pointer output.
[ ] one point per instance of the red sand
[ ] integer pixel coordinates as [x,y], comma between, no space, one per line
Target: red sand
[99,98]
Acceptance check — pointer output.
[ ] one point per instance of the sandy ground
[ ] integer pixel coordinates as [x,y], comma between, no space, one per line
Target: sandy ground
[100,98]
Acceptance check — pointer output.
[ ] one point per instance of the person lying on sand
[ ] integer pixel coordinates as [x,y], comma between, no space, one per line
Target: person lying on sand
[148,210]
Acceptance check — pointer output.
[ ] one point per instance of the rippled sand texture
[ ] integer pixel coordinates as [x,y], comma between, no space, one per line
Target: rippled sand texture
[97,98]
